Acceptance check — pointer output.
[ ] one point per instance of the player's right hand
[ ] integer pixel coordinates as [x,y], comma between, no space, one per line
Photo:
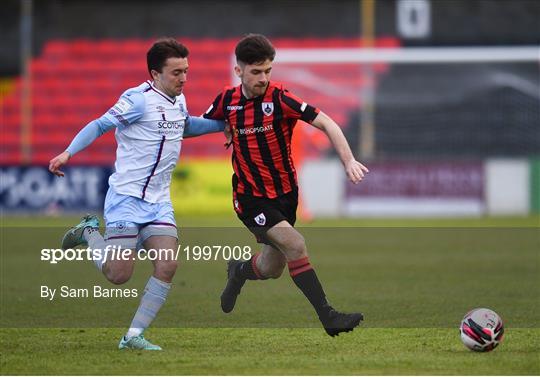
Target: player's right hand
[228,136]
[56,163]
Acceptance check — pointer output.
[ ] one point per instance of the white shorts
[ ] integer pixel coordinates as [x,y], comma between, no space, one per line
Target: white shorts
[129,221]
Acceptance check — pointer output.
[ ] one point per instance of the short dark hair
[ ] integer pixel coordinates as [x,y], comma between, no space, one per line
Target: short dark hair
[254,48]
[163,49]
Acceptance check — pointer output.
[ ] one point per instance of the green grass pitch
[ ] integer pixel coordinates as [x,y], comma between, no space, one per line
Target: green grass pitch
[413,280]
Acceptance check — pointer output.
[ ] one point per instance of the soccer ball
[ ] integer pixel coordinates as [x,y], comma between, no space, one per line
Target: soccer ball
[481,330]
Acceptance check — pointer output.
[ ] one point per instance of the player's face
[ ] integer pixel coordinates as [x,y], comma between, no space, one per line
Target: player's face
[254,77]
[173,76]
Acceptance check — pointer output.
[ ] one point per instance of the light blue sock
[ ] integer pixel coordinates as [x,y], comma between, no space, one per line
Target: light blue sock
[155,294]
[96,242]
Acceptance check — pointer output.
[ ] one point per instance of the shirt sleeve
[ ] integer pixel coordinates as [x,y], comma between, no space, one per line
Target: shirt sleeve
[199,126]
[295,108]
[128,109]
[137,89]
[89,133]
[215,111]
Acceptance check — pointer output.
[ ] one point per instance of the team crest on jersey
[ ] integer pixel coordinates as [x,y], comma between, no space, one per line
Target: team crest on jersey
[120,226]
[267,108]
[260,219]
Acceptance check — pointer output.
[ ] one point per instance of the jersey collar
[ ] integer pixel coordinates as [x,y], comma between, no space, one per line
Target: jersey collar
[170,99]
[254,98]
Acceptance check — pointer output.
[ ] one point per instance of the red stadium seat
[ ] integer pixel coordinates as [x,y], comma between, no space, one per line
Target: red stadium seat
[77,81]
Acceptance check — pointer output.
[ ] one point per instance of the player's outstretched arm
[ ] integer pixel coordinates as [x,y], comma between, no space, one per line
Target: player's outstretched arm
[129,108]
[84,138]
[197,126]
[354,169]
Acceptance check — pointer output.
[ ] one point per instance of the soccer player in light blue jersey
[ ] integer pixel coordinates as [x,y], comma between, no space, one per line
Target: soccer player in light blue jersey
[150,122]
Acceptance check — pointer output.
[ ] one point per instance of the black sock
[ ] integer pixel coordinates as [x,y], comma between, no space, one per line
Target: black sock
[247,269]
[306,279]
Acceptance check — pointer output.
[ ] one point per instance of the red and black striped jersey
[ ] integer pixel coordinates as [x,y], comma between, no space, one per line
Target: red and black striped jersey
[262,129]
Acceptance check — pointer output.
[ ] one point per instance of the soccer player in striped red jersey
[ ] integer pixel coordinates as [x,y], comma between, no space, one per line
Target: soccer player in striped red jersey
[262,115]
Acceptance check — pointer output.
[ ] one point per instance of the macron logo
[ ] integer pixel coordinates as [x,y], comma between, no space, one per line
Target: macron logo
[235,107]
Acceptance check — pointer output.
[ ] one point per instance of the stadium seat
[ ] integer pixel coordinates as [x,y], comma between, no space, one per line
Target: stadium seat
[75,81]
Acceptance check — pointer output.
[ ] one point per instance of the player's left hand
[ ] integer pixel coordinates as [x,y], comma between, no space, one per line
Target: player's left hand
[355,171]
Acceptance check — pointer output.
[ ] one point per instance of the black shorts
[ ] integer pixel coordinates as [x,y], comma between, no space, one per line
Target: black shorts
[260,214]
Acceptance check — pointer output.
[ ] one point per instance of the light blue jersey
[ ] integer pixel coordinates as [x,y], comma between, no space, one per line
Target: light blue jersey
[150,127]
[149,132]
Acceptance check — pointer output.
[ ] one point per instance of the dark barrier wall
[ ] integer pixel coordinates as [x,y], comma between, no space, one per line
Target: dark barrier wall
[420,22]
[34,189]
